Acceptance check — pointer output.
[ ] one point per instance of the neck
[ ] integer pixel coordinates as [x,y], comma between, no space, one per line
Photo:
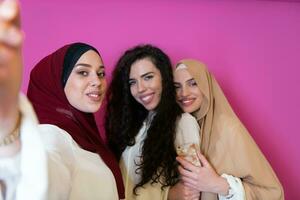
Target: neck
[9,116]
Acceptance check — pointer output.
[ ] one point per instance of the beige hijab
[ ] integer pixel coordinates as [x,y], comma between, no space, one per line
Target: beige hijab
[226,143]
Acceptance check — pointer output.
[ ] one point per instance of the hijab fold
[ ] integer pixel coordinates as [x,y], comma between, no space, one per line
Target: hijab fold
[46,92]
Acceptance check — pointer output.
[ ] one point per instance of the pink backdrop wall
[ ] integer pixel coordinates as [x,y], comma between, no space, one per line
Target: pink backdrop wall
[252,47]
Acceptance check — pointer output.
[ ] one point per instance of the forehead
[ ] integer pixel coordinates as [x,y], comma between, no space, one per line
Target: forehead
[141,67]
[90,57]
[182,75]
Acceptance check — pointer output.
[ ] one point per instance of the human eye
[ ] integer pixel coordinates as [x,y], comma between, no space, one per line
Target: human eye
[101,74]
[148,77]
[177,86]
[192,83]
[131,82]
[82,73]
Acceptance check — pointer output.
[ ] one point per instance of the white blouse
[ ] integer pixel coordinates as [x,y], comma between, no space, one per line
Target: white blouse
[9,175]
[187,130]
[50,165]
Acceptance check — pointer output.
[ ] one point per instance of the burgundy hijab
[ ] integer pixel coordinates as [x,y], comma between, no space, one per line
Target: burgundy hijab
[46,92]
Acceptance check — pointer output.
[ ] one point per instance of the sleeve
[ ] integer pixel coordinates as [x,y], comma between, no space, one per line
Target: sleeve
[243,159]
[236,189]
[187,140]
[187,130]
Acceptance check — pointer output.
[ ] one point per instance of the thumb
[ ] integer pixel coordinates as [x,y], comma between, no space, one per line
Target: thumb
[10,12]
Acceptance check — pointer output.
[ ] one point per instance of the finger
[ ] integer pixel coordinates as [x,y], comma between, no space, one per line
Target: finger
[186,173]
[192,186]
[202,159]
[186,164]
[189,181]
[9,10]
[10,35]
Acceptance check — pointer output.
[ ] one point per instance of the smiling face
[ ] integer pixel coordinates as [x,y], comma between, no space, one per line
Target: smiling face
[145,83]
[86,85]
[189,96]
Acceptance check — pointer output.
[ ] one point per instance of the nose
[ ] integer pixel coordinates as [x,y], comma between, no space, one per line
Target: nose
[141,87]
[95,81]
[184,92]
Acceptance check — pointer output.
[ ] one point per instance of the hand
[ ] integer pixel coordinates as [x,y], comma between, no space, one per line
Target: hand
[10,53]
[203,178]
[10,23]
[10,39]
[182,192]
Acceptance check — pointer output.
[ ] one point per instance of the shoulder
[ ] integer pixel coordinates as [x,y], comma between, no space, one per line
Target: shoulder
[55,137]
[186,119]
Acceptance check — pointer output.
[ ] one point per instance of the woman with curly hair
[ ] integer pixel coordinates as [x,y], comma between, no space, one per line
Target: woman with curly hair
[144,124]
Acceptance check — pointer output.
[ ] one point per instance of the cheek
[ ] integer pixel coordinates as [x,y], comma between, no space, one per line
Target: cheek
[132,91]
[199,100]
[177,95]
[104,84]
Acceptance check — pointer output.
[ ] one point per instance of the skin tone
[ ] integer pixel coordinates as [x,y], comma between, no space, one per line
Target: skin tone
[189,96]
[183,192]
[145,83]
[203,178]
[10,72]
[86,85]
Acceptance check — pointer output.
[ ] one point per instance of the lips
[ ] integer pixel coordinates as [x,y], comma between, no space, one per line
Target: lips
[95,96]
[146,99]
[186,102]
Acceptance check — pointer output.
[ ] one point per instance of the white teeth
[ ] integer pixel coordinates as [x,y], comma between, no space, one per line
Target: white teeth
[146,98]
[94,95]
[186,101]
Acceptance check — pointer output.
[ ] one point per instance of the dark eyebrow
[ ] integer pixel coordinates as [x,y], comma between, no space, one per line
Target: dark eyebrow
[143,75]
[146,74]
[87,65]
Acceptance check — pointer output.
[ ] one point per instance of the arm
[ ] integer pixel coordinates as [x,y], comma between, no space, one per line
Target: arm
[10,73]
[187,132]
[182,192]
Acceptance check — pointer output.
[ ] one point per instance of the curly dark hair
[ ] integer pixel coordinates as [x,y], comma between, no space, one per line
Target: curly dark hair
[125,116]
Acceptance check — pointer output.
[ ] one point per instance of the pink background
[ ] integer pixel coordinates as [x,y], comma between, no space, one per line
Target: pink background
[252,47]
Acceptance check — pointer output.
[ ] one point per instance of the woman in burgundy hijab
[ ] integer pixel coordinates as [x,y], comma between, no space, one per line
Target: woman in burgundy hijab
[66,88]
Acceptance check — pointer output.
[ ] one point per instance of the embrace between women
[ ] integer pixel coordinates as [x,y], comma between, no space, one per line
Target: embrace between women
[148,115]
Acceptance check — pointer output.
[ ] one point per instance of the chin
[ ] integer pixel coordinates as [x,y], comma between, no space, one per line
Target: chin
[187,110]
[92,109]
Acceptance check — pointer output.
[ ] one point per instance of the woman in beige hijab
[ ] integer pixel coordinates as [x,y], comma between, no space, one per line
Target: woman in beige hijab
[233,167]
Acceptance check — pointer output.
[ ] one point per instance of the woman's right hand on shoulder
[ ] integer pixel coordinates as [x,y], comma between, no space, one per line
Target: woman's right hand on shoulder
[182,192]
